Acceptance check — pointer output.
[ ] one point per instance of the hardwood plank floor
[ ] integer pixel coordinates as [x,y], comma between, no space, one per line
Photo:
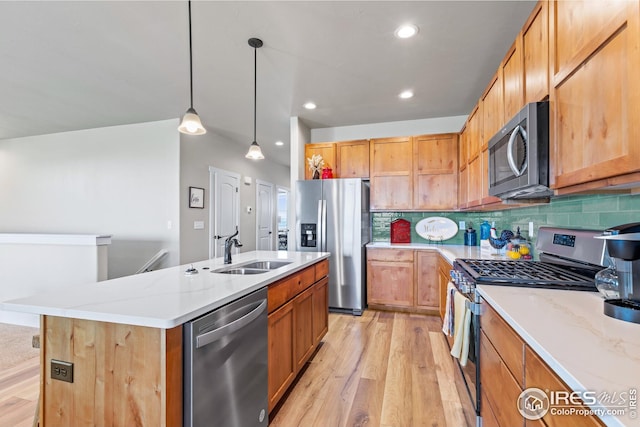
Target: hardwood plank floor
[378,370]
[381,369]
[19,391]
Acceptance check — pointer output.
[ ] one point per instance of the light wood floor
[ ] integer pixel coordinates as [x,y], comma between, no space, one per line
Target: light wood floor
[19,390]
[381,369]
[378,370]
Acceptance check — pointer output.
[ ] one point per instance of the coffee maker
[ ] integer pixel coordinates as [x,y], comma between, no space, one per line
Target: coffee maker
[623,245]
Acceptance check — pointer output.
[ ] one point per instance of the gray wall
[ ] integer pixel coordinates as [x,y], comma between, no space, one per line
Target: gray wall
[121,180]
[197,153]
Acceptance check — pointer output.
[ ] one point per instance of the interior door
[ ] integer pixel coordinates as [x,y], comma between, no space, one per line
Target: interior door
[224,208]
[265,215]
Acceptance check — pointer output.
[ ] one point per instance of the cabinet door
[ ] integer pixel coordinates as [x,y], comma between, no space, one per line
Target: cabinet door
[492,110]
[595,102]
[427,280]
[328,152]
[435,171]
[535,52]
[303,338]
[391,173]
[320,309]
[390,277]
[443,280]
[352,159]
[512,74]
[474,133]
[281,365]
[499,388]
[475,187]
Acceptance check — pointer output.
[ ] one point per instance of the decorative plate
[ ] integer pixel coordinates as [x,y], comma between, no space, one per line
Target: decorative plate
[436,228]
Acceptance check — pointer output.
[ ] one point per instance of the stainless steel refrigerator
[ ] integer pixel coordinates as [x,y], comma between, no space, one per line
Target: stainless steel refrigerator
[332,215]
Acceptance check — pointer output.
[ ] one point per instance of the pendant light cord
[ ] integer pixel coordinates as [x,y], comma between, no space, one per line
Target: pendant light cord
[255,90]
[190,59]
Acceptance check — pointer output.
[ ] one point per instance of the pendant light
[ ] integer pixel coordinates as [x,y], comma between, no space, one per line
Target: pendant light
[255,152]
[191,124]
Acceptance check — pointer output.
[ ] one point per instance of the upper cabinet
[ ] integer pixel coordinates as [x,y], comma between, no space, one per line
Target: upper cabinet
[328,152]
[391,172]
[492,110]
[595,96]
[352,159]
[512,76]
[435,171]
[535,53]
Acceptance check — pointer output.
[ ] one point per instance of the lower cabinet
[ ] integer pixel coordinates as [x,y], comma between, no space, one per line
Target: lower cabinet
[507,367]
[298,320]
[404,279]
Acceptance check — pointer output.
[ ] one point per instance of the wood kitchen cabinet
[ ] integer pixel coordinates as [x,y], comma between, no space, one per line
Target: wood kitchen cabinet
[512,75]
[508,366]
[595,96]
[427,280]
[492,110]
[352,159]
[435,173]
[328,152]
[535,53]
[391,173]
[298,319]
[443,280]
[404,280]
[390,278]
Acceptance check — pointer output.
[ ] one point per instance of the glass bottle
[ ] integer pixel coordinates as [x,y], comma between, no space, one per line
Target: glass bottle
[607,283]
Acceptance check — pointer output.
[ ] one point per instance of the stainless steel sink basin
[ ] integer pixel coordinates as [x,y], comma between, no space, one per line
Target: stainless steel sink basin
[265,265]
[240,270]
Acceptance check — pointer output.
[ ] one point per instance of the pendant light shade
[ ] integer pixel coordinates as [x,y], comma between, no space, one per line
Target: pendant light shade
[191,124]
[255,152]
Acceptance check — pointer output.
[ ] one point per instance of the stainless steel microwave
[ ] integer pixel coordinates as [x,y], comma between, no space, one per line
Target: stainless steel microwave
[519,155]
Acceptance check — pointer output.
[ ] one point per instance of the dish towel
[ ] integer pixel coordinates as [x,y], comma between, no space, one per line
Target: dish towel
[462,314]
[447,321]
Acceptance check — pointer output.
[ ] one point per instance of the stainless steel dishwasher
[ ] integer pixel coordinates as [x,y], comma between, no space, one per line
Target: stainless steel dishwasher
[225,365]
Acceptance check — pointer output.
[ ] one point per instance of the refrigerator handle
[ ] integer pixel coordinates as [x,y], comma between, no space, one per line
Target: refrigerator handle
[324,226]
[320,230]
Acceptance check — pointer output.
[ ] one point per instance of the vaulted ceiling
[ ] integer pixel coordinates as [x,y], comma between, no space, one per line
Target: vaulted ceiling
[70,65]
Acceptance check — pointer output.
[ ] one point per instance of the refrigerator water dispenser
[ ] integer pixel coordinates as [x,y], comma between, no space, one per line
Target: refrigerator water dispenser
[308,235]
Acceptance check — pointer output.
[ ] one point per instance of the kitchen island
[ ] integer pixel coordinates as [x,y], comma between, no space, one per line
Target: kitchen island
[124,338]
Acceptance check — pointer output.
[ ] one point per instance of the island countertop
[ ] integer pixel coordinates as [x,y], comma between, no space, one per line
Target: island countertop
[163,298]
[569,331]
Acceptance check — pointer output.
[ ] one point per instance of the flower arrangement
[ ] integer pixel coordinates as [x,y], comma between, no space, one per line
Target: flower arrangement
[316,162]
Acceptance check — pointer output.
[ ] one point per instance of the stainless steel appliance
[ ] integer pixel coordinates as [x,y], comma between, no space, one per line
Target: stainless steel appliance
[519,155]
[332,215]
[623,244]
[569,260]
[225,365]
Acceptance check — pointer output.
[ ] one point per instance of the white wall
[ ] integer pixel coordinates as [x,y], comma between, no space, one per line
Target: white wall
[120,180]
[197,153]
[300,135]
[389,129]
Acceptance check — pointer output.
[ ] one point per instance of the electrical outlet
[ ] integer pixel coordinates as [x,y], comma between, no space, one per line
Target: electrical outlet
[530,229]
[61,370]
[462,225]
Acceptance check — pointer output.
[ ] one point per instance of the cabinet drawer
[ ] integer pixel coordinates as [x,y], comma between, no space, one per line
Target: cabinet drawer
[505,340]
[390,254]
[287,288]
[322,269]
[539,375]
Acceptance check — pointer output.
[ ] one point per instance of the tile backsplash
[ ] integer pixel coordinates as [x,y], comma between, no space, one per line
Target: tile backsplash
[594,211]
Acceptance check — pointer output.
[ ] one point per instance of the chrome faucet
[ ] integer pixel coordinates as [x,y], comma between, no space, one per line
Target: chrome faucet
[228,244]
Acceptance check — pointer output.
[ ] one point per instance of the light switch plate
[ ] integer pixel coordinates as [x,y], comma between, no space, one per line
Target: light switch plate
[198,225]
[462,225]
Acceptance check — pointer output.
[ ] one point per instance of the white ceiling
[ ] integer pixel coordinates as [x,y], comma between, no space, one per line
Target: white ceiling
[86,64]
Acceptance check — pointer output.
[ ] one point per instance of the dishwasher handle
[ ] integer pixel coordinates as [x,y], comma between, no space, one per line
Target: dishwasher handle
[229,328]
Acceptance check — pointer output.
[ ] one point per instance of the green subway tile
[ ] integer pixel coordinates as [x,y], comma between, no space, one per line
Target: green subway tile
[618,218]
[629,203]
[608,204]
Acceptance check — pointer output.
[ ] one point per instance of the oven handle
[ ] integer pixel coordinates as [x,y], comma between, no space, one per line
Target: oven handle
[473,307]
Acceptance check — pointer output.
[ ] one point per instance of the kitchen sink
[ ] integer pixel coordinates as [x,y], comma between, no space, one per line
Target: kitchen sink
[241,271]
[265,265]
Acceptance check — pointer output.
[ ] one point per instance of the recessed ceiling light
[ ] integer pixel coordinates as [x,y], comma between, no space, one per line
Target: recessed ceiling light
[406,94]
[279,143]
[406,31]
[310,106]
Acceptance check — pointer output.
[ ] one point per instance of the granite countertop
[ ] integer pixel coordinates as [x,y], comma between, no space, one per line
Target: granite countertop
[163,298]
[569,331]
